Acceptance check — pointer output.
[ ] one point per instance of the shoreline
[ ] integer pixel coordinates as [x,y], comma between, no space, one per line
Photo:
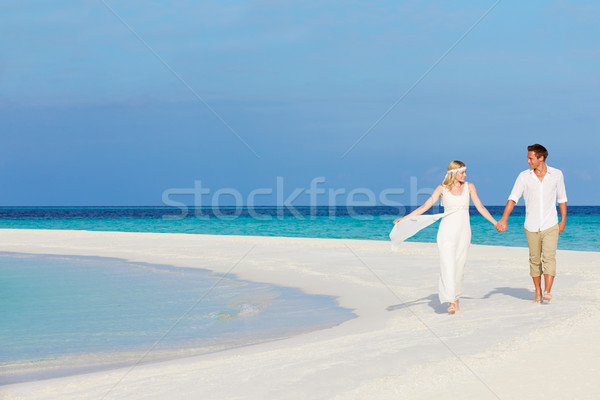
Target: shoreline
[60,364]
[401,342]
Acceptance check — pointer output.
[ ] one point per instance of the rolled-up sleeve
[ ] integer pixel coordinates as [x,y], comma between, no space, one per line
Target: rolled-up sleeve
[561,191]
[517,190]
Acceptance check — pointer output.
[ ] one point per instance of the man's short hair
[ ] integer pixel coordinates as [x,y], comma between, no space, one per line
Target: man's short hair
[539,150]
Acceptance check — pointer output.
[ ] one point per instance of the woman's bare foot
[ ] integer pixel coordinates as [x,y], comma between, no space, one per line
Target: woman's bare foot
[457,306]
[451,308]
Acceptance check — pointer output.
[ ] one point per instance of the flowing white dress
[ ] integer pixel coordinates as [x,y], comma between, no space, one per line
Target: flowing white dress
[453,239]
[409,226]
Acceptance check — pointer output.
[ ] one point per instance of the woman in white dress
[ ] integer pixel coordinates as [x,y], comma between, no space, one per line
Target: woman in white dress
[454,234]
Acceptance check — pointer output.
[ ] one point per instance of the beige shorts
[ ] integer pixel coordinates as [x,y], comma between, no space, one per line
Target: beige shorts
[542,251]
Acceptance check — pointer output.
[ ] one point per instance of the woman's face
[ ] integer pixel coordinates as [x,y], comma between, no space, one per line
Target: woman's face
[460,176]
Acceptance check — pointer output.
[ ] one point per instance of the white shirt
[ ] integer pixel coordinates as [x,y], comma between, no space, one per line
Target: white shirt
[540,197]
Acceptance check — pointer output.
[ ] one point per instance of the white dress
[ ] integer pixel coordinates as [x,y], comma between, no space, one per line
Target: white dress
[453,239]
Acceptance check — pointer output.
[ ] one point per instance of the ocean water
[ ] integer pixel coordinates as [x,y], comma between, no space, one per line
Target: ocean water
[60,315]
[370,223]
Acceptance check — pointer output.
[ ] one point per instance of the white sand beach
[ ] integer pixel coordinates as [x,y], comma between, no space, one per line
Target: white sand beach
[402,345]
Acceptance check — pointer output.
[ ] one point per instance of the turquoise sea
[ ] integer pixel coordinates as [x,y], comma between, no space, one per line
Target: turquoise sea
[370,223]
[61,315]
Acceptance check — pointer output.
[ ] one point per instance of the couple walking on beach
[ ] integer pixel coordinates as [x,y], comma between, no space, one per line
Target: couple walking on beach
[541,187]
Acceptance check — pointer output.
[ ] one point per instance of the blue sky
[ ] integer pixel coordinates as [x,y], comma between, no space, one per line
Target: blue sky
[114,103]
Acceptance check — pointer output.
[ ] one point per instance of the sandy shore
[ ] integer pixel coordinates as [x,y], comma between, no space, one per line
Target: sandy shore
[403,345]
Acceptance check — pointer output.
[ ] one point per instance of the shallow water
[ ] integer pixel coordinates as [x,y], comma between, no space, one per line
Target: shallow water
[60,313]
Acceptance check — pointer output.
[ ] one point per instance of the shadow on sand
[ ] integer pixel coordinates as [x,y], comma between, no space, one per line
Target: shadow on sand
[433,301]
[517,293]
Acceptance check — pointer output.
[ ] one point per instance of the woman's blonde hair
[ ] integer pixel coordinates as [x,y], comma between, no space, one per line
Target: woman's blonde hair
[450,177]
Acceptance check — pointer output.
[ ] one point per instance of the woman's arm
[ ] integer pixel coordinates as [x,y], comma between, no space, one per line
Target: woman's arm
[437,193]
[482,210]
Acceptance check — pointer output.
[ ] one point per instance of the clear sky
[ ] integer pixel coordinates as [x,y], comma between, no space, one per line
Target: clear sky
[117,103]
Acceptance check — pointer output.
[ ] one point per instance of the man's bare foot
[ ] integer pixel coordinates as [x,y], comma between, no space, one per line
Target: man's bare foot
[538,298]
[547,297]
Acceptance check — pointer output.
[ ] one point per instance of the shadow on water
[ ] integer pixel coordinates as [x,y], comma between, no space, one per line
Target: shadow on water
[518,293]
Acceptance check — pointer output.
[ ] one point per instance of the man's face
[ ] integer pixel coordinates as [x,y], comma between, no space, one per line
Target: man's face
[533,161]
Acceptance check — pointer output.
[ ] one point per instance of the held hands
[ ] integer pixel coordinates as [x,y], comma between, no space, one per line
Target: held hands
[501,226]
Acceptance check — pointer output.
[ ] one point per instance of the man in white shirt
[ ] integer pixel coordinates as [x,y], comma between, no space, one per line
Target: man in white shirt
[541,187]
